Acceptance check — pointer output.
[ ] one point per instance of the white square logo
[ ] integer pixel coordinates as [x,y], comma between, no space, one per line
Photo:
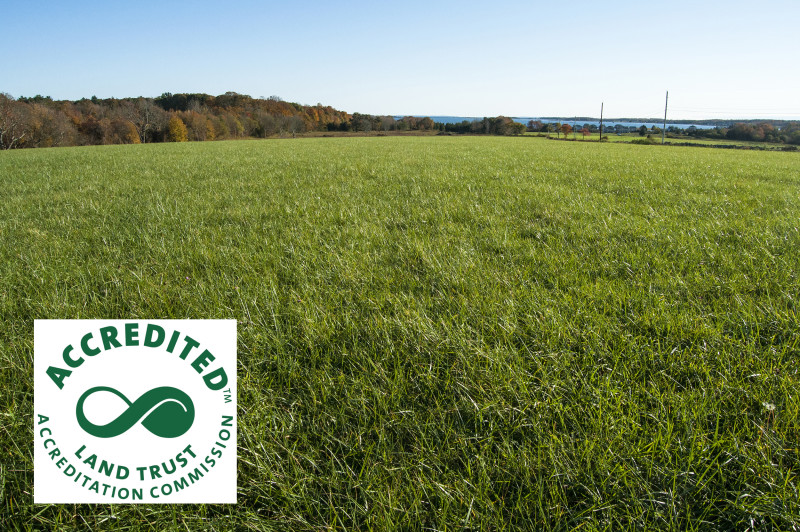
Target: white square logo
[134,411]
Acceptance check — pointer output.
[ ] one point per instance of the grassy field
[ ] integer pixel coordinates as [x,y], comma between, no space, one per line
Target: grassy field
[437,332]
[629,137]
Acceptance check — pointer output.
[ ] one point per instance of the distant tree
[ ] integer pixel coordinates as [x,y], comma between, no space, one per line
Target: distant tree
[742,131]
[566,129]
[12,122]
[534,125]
[144,114]
[120,131]
[585,131]
[642,130]
[35,99]
[251,127]
[500,125]
[92,130]
[296,125]
[221,130]
[366,123]
[425,124]
[183,102]
[515,128]
[408,123]
[234,125]
[176,130]
[47,125]
[387,123]
[769,133]
[195,125]
[195,106]
[232,99]
[458,127]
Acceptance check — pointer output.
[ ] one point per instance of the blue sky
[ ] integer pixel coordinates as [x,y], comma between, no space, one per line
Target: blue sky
[718,59]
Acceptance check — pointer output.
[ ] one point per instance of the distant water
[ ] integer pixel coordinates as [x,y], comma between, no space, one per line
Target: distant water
[525,120]
[607,123]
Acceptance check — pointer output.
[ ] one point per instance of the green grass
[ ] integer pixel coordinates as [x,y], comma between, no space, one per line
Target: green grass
[629,137]
[438,333]
[726,142]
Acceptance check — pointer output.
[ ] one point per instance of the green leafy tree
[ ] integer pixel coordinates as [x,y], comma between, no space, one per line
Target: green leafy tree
[515,128]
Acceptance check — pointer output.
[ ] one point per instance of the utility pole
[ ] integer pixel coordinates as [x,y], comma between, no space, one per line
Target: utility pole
[665,118]
[601,122]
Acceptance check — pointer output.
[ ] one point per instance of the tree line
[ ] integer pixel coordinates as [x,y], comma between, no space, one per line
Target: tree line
[787,133]
[498,125]
[40,121]
[783,132]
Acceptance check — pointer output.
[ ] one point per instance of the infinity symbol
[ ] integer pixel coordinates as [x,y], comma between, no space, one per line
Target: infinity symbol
[166,412]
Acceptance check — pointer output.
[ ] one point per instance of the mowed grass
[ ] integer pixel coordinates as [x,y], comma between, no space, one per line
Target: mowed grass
[437,333]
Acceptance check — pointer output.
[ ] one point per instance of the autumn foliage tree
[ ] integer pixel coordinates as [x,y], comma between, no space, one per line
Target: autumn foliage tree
[176,130]
[195,123]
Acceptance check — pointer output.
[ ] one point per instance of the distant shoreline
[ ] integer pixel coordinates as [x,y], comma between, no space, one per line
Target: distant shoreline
[707,122]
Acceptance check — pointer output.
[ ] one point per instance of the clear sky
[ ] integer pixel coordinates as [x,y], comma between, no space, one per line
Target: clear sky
[718,59]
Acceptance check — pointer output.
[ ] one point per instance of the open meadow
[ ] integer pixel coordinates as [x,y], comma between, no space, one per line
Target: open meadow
[655,139]
[481,333]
